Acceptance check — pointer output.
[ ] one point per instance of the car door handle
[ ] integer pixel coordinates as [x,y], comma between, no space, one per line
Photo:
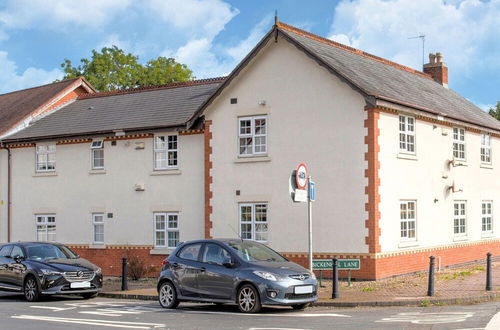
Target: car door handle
[202,269]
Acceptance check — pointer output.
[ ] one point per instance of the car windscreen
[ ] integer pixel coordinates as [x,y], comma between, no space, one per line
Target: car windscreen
[250,251]
[43,252]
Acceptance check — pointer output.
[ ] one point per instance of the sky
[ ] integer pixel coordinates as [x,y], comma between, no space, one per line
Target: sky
[212,36]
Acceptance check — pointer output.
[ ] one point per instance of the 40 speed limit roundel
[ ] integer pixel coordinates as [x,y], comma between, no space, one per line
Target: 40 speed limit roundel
[301,175]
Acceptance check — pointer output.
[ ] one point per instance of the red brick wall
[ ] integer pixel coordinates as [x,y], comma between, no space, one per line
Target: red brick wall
[208,178]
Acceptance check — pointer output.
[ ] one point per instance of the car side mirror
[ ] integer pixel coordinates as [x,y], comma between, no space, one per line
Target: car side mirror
[228,263]
[18,258]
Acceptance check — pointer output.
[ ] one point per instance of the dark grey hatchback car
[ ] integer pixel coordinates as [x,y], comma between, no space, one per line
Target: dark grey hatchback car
[247,273]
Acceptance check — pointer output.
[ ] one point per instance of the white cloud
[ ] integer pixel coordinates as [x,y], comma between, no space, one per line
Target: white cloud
[239,51]
[200,18]
[22,14]
[464,31]
[11,80]
[485,107]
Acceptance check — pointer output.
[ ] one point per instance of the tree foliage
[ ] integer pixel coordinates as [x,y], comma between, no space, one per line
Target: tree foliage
[495,112]
[112,69]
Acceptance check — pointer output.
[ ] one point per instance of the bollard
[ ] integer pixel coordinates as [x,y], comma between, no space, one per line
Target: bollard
[335,284]
[488,272]
[124,274]
[430,288]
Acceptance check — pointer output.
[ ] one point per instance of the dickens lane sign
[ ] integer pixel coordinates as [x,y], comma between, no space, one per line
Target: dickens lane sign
[343,264]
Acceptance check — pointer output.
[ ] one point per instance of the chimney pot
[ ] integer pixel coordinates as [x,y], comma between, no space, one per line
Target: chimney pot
[439,57]
[432,58]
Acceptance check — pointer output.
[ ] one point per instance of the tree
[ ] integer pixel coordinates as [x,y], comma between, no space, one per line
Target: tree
[113,69]
[495,112]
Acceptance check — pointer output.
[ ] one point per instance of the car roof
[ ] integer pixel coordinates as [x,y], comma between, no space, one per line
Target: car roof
[30,243]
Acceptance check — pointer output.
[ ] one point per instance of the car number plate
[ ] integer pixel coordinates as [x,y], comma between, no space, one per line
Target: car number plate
[79,285]
[303,289]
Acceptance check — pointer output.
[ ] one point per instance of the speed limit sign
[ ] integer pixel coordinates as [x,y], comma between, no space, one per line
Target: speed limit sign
[301,176]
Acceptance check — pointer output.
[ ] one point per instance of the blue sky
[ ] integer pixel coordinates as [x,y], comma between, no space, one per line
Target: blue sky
[212,36]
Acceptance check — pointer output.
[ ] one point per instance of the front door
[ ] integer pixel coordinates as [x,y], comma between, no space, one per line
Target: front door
[215,280]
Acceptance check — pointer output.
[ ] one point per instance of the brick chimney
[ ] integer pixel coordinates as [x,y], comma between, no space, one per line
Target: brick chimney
[437,69]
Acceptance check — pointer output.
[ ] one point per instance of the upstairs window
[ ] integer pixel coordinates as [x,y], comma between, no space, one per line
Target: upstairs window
[486,216]
[252,136]
[459,218]
[458,143]
[406,134]
[165,152]
[97,151]
[408,220]
[485,148]
[46,158]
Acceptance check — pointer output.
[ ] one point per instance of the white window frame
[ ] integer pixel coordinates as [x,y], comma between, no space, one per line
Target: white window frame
[457,218]
[96,146]
[42,221]
[168,227]
[95,224]
[485,148]
[253,135]
[459,140]
[486,217]
[253,222]
[46,150]
[406,220]
[406,133]
[165,149]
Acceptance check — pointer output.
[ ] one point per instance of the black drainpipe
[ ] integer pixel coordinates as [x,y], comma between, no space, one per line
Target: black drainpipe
[9,193]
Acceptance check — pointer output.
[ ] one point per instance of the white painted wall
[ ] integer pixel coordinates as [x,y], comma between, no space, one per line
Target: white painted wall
[314,118]
[422,179]
[74,193]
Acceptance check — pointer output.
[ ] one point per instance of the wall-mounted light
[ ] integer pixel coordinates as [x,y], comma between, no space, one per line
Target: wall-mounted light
[262,102]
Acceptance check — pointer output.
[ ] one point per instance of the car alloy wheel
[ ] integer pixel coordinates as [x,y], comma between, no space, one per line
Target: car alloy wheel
[167,296]
[31,289]
[248,299]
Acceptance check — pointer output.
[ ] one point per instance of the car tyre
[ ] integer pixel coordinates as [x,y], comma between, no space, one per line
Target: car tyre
[31,289]
[248,299]
[299,306]
[89,295]
[167,295]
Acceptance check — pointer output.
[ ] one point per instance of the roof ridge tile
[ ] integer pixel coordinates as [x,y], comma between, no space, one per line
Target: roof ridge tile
[312,36]
[156,87]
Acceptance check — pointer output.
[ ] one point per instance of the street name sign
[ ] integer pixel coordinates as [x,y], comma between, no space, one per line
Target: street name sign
[312,191]
[343,264]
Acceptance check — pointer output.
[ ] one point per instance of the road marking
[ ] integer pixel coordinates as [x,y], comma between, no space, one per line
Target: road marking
[276,329]
[102,323]
[494,323]
[428,318]
[270,314]
[55,309]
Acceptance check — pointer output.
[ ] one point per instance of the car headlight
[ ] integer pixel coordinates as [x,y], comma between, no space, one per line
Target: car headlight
[267,275]
[313,276]
[98,271]
[49,272]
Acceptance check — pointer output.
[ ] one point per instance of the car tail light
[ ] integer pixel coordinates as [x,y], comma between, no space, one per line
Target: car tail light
[164,262]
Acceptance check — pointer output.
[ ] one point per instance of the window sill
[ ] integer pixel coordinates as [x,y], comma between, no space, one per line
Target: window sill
[254,159]
[460,238]
[103,171]
[458,163]
[408,244]
[487,235]
[489,166]
[41,174]
[97,246]
[406,156]
[166,172]
[161,251]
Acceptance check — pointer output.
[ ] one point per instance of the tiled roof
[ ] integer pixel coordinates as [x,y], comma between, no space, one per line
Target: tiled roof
[387,80]
[16,106]
[141,108]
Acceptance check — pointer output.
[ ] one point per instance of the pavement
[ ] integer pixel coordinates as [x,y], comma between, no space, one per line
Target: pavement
[463,285]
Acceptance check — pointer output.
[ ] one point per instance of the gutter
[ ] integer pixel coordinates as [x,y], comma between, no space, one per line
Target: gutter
[9,190]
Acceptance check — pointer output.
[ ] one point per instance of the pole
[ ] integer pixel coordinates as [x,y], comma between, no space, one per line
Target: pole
[335,284]
[488,272]
[309,218]
[430,288]
[124,274]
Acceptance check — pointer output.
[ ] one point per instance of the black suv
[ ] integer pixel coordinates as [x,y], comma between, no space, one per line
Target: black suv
[37,269]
